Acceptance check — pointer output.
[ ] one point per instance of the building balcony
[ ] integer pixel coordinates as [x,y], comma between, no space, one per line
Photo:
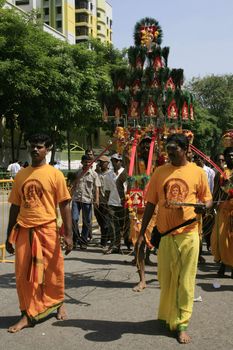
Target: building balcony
[101,21]
[83,24]
[100,9]
[88,12]
[102,35]
[82,37]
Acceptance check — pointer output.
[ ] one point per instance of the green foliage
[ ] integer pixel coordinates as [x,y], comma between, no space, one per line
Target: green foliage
[48,85]
[214,110]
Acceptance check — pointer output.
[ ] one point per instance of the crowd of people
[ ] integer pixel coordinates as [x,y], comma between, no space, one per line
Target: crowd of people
[178,201]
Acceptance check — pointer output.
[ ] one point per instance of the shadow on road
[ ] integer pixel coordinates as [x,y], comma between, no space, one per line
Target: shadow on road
[107,331]
[90,280]
[97,261]
[8,281]
[208,287]
[7,321]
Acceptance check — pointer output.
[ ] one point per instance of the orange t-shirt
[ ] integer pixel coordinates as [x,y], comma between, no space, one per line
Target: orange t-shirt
[170,183]
[38,190]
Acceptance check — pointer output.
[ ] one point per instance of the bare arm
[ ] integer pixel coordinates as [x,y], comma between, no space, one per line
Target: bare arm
[14,211]
[149,210]
[209,204]
[97,195]
[67,221]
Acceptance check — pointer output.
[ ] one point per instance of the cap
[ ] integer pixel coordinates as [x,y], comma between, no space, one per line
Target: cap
[116,156]
[104,159]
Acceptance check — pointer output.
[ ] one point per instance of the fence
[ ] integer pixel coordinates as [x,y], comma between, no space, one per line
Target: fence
[5,187]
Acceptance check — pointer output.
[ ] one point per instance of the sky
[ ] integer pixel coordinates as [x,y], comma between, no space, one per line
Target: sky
[198,32]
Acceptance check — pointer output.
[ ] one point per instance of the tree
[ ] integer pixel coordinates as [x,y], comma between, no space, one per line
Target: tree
[95,59]
[214,111]
[49,85]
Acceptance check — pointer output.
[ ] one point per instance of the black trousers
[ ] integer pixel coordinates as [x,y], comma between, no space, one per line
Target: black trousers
[119,225]
[102,217]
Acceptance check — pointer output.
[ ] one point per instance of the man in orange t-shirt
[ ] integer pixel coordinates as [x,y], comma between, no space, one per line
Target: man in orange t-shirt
[39,267]
[173,184]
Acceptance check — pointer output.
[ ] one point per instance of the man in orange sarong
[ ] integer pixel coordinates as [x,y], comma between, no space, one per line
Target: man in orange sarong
[222,234]
[39,266]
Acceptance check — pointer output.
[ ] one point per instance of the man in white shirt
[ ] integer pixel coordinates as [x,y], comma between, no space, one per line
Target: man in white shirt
[210,173]
[115,188]
[13,168]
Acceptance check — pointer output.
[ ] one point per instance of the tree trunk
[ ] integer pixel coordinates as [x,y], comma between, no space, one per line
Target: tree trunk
[68,145]
[12,128]
[19,144]
[53,153]
[89,141]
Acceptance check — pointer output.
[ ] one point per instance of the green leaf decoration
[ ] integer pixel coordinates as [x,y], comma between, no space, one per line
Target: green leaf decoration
[147,22]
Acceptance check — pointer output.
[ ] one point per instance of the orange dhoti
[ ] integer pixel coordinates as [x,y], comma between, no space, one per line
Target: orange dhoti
[135,227]
[222,235]
[39,269]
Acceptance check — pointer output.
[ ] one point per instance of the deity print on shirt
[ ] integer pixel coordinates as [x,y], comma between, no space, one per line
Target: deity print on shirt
[32,194]
[175,190]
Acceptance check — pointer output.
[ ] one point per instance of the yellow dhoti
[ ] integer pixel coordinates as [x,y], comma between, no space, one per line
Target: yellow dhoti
[177,266]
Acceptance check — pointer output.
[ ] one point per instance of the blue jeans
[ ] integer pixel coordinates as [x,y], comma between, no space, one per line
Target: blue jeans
[87,218]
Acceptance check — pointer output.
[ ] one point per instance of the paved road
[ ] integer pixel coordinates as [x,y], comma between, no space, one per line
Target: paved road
[104,312]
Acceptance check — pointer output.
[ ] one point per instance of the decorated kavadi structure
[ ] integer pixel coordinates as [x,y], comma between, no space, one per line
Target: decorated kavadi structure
[147,104]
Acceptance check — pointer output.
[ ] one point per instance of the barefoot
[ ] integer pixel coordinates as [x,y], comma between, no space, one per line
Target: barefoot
[139,287]
[23,323]
[183,337]
[61,313]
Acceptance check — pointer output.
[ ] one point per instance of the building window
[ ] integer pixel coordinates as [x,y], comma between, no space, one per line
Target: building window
[81,4]
[91,19]
[59,25]
[91,6]
[107,20]
[46,11]
[59,10]
[98,14]
[22,2]
[81,17]
[98,27]
[107,32]
[81,31]
[110,23]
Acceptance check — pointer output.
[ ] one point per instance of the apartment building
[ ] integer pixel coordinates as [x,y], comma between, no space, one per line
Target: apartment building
[27,6]
[58,14]
[93,18]
[77,20]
